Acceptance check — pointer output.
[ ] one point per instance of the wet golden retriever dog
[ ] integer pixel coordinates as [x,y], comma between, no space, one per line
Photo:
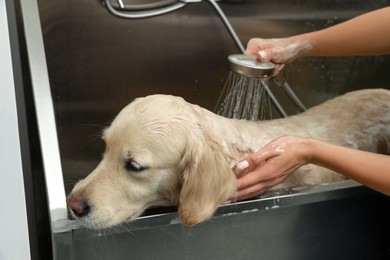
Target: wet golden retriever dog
[162,150]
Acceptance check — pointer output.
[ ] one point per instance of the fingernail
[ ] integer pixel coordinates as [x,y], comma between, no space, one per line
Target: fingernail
[263,55]
[242,165]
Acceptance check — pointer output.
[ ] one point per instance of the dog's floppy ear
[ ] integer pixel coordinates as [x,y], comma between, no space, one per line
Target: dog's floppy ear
[207,181]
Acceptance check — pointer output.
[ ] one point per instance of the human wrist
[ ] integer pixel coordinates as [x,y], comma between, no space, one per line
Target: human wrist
[301,45]
[307,149]
[316,150]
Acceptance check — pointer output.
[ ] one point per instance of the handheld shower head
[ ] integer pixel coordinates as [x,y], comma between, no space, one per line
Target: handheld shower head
[249,66]
[247,93]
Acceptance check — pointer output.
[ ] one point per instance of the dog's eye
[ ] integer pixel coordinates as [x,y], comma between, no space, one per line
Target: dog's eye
[131,165]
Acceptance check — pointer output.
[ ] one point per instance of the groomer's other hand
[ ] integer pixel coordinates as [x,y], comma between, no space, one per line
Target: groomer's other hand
[270,165]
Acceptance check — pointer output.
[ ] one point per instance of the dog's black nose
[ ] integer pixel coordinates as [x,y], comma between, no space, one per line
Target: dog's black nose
[80,208]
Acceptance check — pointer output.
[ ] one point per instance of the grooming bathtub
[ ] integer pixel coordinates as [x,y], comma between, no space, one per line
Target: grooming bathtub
[85,64]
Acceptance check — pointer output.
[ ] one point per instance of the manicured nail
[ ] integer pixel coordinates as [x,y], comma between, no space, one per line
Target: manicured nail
[242,165]
[263,55]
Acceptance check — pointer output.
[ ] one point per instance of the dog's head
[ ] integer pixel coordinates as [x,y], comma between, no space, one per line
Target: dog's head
[158,152]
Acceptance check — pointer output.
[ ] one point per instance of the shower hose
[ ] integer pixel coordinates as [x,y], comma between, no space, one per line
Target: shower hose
[141,11]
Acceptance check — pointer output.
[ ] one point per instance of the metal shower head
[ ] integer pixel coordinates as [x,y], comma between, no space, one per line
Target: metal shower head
[249,66]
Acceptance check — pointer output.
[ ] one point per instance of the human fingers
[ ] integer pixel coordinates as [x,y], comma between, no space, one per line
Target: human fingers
[274,50]
[256,189]
[253,177]
[278,68]
[254,45]
[257,182]
[265,173]
[250,162]
[263,49]
[250,192]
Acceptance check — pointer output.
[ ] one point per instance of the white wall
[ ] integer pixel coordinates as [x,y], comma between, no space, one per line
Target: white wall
[14,241]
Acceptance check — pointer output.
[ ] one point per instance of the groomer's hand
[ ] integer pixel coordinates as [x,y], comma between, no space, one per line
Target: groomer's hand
[279,51]
[270,165]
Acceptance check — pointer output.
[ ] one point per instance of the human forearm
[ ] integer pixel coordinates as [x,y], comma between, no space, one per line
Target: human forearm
[367,34]
[370,169]
[276,160]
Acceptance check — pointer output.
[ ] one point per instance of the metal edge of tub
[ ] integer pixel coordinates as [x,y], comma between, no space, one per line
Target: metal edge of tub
[268,201]
[45,112]
[72,239]
[69,234]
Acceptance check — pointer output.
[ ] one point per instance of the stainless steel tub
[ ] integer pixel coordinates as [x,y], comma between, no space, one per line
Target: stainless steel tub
[98,63]
[343,221]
